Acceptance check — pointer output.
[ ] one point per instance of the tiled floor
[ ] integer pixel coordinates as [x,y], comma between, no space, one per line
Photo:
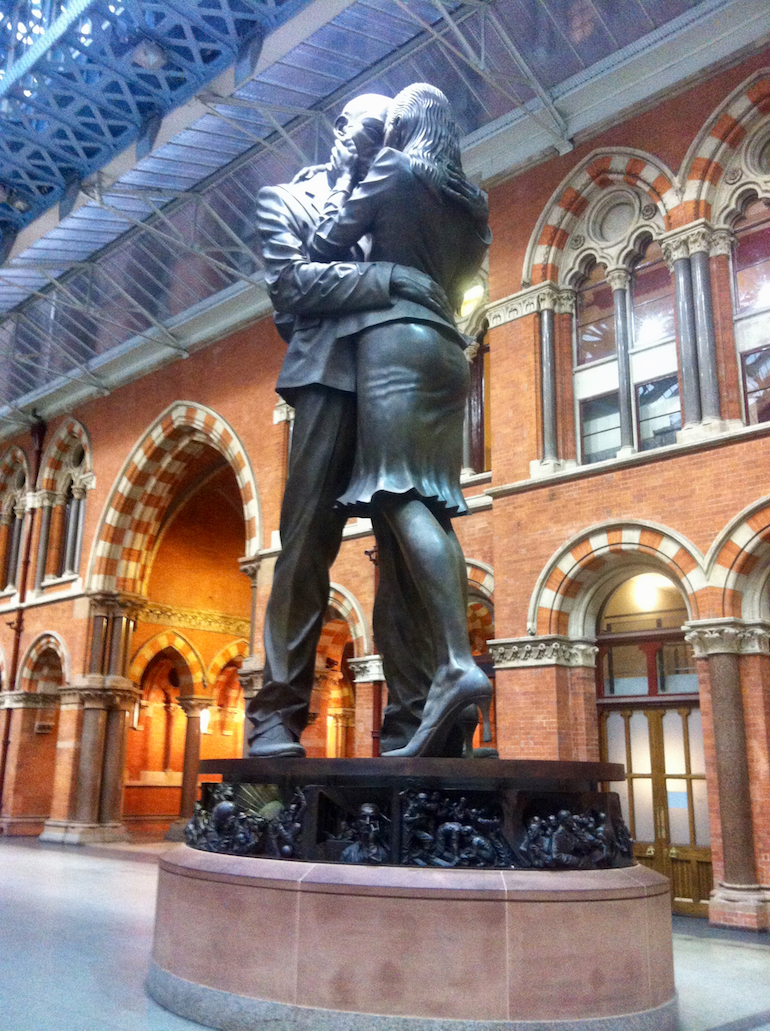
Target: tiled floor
[76,930]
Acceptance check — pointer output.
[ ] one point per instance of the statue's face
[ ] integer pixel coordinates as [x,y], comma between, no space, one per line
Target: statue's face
[363,122]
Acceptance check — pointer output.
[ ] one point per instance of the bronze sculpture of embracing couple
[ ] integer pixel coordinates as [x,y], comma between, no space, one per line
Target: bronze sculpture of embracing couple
[366,260]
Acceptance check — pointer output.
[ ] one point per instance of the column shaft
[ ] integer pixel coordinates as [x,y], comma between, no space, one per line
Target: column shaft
[192,752]
[548,366]
[110,802]
[685,316]
[625,400]
[90,765]
[732,770]
[5,543]
[704,329]
[42,545]
[72,536]
[15,550]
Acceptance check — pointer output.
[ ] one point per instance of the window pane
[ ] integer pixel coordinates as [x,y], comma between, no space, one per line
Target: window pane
[695,730]
[673,743]
[644,825]
[626,671]
[600,424]
[678,818]
[616,738]
[756,370]
[640,743]
[700,805]
[752,259]
[677,670]
[653,300]
[596,318]
[659,413]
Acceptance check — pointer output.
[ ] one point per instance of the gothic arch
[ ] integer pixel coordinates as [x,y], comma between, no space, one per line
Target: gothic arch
[481,578]
[234,650]
[565,597]
[144,487]
[718,170]
[349,609]
[738,562]
[192,676]
[53,468]
[649,186]
[49,641]
[13,459]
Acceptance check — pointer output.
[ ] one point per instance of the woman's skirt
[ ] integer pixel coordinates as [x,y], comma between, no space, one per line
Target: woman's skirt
[412,388]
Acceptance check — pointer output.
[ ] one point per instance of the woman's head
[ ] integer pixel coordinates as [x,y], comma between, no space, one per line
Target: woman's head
[420,123]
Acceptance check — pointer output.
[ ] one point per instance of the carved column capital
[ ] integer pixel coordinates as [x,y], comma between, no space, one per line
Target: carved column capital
[283,412]
[367,669]
[618,278]
[674,249]
[727,637]
[551,650]
[250,567]
[193,705]
[722,241]
[251,675]
[6,518]
[78,491]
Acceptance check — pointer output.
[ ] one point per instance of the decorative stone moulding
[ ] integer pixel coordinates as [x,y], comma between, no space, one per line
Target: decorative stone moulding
[367,669]
[553,650]
[28,700]
[530,301]
[727,637]
[195,619]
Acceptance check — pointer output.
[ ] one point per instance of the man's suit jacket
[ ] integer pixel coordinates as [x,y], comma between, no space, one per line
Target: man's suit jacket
[315,294]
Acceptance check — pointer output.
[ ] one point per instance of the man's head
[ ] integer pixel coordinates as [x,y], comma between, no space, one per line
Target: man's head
[362,122]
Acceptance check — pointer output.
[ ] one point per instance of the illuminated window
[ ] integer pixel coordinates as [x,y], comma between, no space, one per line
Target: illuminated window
[596,318]
[653,300]
[751,267]
[660,414]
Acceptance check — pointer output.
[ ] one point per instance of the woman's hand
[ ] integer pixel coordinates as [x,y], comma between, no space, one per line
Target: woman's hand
[472,198]
[413,285]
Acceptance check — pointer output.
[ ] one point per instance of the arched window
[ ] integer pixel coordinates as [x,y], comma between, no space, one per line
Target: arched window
[751,272]
[12,523]
[477,437]
[635,361]
[66,478]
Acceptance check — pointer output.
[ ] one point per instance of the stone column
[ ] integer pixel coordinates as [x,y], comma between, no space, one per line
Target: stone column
[737,900]
[250,675]
[92,736]
[71,543]
[677,255]
[15,547]
[192,706]
[618,279]
[47,499]
[368,677]
[548,377]
[123,695]
[250,567]
[699,243]
[56,536]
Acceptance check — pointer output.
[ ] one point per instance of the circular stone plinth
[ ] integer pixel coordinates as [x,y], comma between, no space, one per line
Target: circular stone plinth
[246,944]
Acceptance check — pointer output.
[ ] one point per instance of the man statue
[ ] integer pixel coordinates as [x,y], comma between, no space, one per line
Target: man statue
[318,379]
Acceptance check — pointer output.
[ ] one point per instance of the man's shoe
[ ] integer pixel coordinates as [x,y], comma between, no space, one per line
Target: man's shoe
[275,740]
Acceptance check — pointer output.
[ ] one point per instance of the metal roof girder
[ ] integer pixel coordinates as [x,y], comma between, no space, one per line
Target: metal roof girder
[202,200]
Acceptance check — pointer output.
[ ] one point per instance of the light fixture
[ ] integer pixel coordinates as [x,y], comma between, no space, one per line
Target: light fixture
[149,55]
[471,299]
[205,717]
[646,590]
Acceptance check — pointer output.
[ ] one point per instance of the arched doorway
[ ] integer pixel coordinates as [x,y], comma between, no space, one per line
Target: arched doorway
[650,721]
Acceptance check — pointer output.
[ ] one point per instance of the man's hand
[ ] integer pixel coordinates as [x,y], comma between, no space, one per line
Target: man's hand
[345,161]
[412,285]
[468,194]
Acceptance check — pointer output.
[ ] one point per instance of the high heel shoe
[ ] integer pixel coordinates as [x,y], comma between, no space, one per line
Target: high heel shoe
[442,706]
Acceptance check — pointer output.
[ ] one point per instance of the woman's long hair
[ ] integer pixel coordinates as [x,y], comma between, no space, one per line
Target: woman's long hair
[430,137]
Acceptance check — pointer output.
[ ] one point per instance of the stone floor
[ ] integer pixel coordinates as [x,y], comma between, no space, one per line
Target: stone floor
[76,931]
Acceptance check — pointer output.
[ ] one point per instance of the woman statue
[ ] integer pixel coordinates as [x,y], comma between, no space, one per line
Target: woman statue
[413,378]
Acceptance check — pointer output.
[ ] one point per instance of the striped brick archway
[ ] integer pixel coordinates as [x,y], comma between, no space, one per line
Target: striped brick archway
[738,564]
[481,578]
[570,201]
[68,434]
[192,674]
[235,650]
[717,144]
[144,488]
[26,679]
[347,606]
[589,557]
